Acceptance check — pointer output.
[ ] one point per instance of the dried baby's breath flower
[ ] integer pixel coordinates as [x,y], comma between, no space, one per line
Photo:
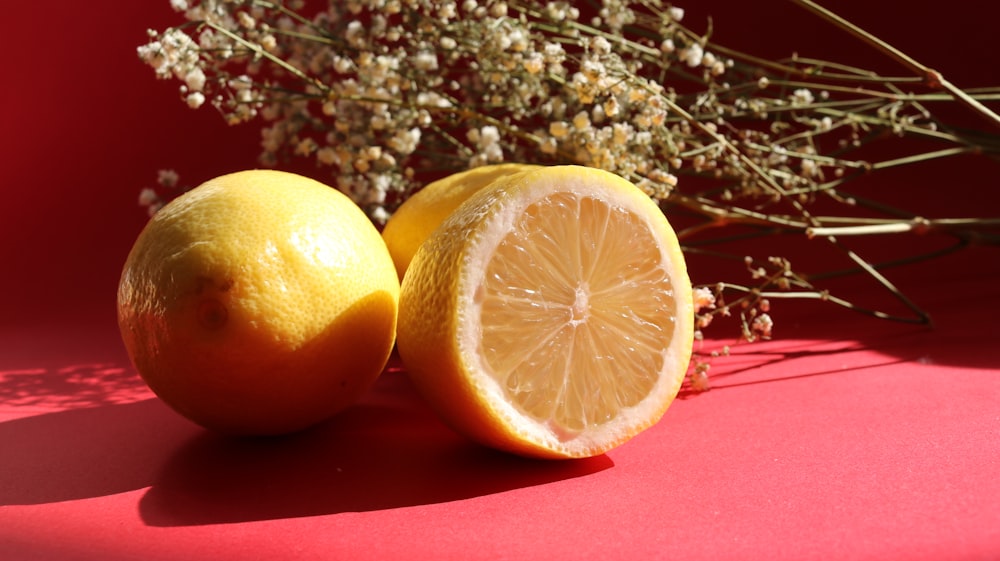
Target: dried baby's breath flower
[383,96]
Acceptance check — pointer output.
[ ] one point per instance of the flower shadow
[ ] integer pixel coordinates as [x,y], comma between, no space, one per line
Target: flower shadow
[88,384]
[768,363]
[387,452]
[48,368]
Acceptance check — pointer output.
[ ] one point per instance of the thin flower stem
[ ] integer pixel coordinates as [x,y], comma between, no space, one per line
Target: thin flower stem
[538,23]
[931,77]
[878,276]
[757,233]
[867,167]
[791,68]
[920,317]
[961,243]
[261,52]
[724,142]
[926,156]
[918,225]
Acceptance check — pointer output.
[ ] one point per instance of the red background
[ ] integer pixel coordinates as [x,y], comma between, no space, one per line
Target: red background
[844,438]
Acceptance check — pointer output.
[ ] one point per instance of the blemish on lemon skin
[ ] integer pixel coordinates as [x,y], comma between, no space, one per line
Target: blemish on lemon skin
[212,314]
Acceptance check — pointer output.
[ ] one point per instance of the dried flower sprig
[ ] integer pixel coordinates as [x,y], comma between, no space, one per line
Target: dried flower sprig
[386,95]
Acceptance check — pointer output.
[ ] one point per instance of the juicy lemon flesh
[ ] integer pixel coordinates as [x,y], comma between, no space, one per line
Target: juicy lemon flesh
[577,310]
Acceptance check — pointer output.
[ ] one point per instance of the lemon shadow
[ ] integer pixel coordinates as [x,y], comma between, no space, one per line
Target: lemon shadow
[82,424]
[87,452]
[389,451]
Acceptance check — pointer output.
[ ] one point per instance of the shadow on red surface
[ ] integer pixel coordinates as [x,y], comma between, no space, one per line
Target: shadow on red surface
[958,291]
[87,452]
[70,386]
[756,364]
[387,452]
[958,339]
[86,428]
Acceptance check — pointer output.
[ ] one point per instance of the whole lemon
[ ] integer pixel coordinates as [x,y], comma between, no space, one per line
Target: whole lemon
[260,302]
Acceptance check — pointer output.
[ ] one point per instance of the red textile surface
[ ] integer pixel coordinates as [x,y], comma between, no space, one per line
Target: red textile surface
[844,438]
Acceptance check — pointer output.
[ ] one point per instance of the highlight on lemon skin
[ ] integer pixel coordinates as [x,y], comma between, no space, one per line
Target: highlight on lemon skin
[260,302]
[550,315]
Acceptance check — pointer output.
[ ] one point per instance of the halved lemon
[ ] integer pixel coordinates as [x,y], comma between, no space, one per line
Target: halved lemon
[550,315]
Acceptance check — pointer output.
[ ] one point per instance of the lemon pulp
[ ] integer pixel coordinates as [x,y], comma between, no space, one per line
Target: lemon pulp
[575,312]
